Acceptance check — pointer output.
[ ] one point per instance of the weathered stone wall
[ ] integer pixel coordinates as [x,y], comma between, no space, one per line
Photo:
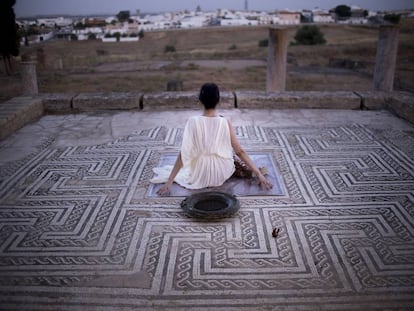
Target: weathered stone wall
[295,100]
[182,100]
[19,111]
[107,101]
[73,103]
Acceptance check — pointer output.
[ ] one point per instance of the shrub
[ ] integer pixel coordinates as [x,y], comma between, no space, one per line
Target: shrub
[101,52]
[192,66]
[141,34]
[117,35]
[309,35]
[169,48]
[233,47]
[264,43]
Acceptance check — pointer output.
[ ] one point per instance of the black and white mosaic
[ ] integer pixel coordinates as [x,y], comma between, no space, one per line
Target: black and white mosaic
[79,230]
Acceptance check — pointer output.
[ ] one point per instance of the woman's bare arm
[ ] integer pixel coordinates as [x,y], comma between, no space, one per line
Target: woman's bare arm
[246,159]
[165,189]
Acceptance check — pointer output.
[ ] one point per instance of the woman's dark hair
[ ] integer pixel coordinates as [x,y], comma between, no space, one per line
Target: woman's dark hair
[209,95]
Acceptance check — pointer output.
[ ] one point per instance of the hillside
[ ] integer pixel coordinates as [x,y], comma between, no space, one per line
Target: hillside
[231,57]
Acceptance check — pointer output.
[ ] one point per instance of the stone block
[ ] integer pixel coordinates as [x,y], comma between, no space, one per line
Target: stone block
[57,102]
[106,101]
[295,100]
[182,100]
[402,104]
[373,100]
[17,112]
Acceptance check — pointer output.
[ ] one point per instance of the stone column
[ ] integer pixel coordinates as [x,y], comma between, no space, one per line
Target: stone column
[386,58]
[29,78]
[277,60]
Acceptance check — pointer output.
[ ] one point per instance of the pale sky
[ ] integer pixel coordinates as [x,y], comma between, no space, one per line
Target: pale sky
[84,7]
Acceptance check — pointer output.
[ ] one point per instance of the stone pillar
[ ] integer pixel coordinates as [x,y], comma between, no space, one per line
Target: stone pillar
[386,58]
[41,58]
[277,60]
[29,78]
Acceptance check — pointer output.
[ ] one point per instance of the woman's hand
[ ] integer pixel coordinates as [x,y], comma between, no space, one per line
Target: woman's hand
[264,183]
[164,190]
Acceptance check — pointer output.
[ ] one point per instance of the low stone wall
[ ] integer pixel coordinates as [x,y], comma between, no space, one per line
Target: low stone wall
[73,103]
[19,111]
[182,100]
[402,106]
[296,100]
[106,101]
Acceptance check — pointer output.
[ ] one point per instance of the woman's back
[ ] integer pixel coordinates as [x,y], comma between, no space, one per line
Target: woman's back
[206,150]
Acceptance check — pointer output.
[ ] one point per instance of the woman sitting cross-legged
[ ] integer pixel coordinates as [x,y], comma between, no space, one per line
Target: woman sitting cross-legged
[206,156]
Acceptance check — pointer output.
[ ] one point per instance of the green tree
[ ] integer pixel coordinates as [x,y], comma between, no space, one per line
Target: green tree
[9,39]
[79,25]
[32,30]
[392,18]
[342,11]
[309,35]
[123,16]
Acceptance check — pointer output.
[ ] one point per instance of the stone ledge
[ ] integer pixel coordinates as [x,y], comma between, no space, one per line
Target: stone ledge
[402,104]
[373,100]
[106,101]
[298,100]
[17,112]
[181,100]
[57,102]
[399,103]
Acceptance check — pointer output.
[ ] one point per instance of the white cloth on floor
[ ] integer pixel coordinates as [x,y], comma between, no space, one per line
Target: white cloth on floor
[206,153]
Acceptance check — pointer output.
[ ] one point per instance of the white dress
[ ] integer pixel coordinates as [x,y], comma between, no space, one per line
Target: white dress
[206,153]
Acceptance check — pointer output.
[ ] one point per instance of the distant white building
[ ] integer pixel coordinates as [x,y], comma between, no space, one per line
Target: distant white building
[238,22]
[44,36]
[83,34]
[111,19]
[358,15]
[112,29]
[267,19]
[156,22]
[194,21]
[289,17]
[58,21]
[321,16]
[236,18]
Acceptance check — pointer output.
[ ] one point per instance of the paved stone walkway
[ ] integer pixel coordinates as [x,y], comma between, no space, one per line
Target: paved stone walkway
[78,230]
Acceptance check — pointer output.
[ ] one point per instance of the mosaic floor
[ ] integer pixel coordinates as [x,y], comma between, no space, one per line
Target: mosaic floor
[79,231]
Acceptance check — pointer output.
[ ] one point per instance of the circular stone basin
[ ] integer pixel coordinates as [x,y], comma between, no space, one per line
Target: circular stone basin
[209,205]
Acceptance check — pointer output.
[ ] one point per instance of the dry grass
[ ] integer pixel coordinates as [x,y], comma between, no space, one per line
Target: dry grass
[92,66]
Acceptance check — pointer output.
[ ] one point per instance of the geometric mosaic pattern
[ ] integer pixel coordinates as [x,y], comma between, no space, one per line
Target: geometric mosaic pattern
[78,230]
